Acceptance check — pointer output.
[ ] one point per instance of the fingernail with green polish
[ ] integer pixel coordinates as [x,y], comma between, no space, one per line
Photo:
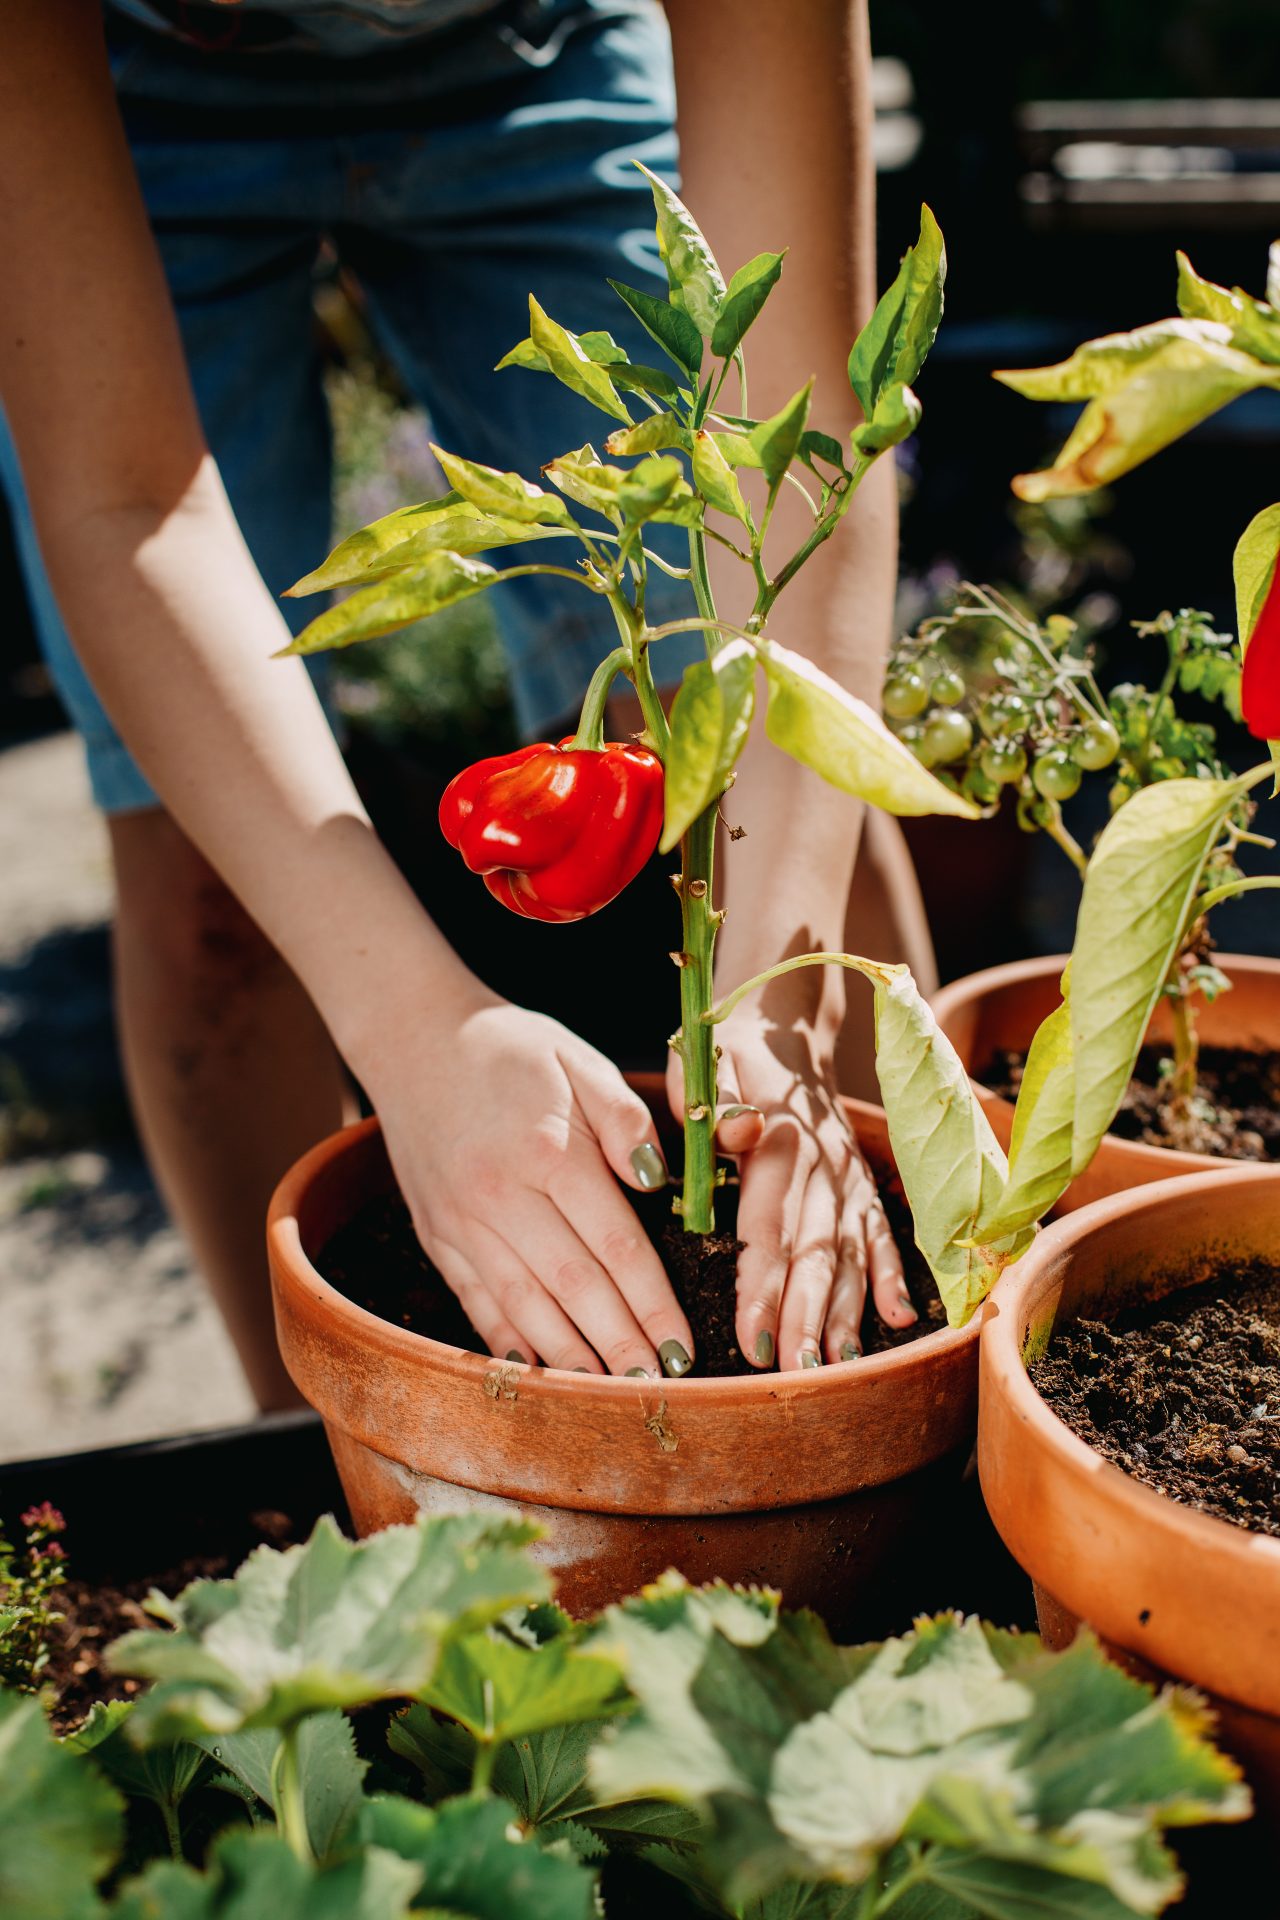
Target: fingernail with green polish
[850,1352]
[646,1163]
[515,1354]
[736,1113]
[582,1369]
[764,1348]
[675,1361]
[637,1373]
[810,1359]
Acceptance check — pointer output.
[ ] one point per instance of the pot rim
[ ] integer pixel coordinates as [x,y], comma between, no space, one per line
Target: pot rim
[989,981]
[294,1270]
[1003,1341]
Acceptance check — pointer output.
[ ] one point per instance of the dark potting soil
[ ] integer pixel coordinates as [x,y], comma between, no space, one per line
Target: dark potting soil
[375,1261]
[1237,1113]
[1183,1394]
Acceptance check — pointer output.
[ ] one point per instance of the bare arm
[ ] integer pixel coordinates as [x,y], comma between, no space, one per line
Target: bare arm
[492,1114]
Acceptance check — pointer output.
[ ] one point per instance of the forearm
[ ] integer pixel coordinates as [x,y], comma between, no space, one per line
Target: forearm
[809,186]
[176,630]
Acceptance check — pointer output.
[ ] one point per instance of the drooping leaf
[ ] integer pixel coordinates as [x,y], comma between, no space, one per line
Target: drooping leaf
[813,718]
[61,1824]
[1144,388]
[330,1772]
[255,1876]
[745,295]
[1254,568]
[329,1624]
[571,366]
[1138,891]
[738,450]
[821,446]
[650,435]
[1040,1149]
[598,346]
[670,326]
[651,381]
[507,495]
[948,1159]
[654,490]
[697,284]
[1200,299]
[777,440]
[715,478]
[894,344]
[896,417]
[710,720]
[404,539]
[502,1691]
[474,1865]
[439,581]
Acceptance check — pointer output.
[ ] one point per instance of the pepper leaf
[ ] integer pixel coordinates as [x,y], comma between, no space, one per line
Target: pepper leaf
[710,720]
[257,1874]
[894,344]
[697,284]
[404,539]
[813,718]
[61,1824]
[440,580]
[598,346]
[508,495]
[745,295]
[650,435]
[329,1624]
[896,417]
[777,440]
[670,326]
[1040,1149]
[570,365]
[1200,299]
[714,478]
[472,1865]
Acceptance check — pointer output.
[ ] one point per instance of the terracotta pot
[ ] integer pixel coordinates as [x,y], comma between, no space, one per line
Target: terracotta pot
[1003,1006]
[1172,1590]
[807,1481]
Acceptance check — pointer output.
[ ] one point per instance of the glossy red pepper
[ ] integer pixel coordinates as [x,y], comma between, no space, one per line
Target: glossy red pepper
[556,831]
[1260,685]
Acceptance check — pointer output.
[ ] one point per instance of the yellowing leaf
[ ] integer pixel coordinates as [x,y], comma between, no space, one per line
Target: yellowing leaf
[399,600]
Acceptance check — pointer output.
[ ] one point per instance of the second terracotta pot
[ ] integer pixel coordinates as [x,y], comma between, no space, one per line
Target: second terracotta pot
[806,1481]
[1001,1007]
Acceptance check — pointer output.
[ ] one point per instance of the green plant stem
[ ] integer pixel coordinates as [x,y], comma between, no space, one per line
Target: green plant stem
[699,924]
[173,1833]
[635,649]
[482,1768]
[1062,836]
[291,1811]
[822,532]
[590,732]
[1186,1042]
[870,969]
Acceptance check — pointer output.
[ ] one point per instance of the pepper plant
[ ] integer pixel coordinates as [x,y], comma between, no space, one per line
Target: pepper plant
[1002,703]
[508,1761]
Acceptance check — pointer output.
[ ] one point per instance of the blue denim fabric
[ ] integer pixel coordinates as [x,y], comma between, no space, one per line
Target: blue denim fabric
[449,213]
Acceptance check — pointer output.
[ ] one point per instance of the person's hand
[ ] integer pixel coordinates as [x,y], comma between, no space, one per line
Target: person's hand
[814,1228]
[506,1132]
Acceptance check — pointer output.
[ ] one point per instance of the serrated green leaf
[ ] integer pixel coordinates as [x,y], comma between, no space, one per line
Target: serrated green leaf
[650,435]
[507,495]
[330,1772]
[1040,1148]
[1144,388]
[255,1876]
[715,480]
[745,295]
[777,440]
[333,1623]
[670,326]
[566,359]
[894,344]
[474,1864]
[1253,567]
[500,1691]
[813,718]
[710,720]
[404,539]
[1138,891]
[697,284]
[440,581]
[61,1825]
[950,1163]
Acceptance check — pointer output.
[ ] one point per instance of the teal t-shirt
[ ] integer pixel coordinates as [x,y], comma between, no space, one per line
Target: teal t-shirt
[302,26]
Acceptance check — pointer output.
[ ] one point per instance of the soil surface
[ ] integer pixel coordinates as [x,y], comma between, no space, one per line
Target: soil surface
[1183,1394]
[375,1261]
[1236,1111]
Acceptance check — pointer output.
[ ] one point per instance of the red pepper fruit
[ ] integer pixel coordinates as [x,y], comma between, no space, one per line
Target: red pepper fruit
[557,831]
[1260,685]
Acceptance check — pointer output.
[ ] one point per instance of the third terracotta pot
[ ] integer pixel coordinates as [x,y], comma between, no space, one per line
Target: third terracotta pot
[1001,1007]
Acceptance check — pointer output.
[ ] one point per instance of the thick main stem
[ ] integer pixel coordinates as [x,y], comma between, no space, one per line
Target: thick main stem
[699,925]
[1186,1045]
[291,1807]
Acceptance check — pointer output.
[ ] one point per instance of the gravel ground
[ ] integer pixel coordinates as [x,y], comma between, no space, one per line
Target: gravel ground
[108,1333]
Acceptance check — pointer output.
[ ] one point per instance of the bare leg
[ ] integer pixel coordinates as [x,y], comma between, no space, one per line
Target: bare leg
[231,1073]
[885,921]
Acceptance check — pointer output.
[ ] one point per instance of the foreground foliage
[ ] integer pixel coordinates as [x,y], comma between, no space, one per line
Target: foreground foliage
[691,1751]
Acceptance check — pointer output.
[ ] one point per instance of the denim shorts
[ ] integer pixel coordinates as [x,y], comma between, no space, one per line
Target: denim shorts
[450,202]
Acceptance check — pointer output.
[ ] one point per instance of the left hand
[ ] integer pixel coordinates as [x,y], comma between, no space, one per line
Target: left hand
[814,1228]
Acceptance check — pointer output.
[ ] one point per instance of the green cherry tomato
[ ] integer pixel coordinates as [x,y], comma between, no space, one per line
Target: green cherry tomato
[1004,713]
[905,695]
[947,736]
[1096,746]
[1055,775]
[948,688]
[1004,762]
[980,788]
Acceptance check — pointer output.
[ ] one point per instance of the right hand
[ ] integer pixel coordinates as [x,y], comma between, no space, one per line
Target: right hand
[506,1132]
